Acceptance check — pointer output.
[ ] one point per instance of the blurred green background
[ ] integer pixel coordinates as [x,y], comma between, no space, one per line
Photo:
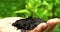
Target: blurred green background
[44,9]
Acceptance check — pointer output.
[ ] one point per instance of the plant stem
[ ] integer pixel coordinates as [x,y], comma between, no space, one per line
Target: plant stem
[53,10]
[31,13]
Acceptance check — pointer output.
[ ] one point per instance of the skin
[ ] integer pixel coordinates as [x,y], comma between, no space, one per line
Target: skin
[46,27]
[5,25]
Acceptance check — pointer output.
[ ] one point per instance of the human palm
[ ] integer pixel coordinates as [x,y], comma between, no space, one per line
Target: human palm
[6,25]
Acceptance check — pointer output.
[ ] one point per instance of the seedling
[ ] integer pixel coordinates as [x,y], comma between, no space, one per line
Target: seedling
[30,22]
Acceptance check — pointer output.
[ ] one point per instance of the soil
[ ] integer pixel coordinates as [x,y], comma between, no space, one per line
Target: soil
[28,23]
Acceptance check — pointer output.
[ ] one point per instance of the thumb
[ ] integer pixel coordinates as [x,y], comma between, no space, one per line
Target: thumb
[40,27]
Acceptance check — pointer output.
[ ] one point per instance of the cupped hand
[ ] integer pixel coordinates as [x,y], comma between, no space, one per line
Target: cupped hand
[46,27]
[6,25]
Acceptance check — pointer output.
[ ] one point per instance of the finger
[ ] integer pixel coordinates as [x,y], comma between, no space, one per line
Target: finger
[39,27]
[56,21]
[51,25]
[52,28]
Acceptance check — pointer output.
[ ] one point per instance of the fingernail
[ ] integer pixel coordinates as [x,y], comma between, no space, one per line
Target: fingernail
[44,25]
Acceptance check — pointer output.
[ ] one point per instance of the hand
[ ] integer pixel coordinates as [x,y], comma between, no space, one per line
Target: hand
[5,25]
[46,27]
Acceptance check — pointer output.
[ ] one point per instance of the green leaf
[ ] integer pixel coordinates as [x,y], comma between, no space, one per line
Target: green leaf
[33,4]
[49,5]
[22,11]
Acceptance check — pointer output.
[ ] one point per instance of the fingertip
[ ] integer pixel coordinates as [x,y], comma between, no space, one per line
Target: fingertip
[40,27]
[53,21]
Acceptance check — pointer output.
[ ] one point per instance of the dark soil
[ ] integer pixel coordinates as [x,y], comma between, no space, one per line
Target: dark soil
[28,23]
